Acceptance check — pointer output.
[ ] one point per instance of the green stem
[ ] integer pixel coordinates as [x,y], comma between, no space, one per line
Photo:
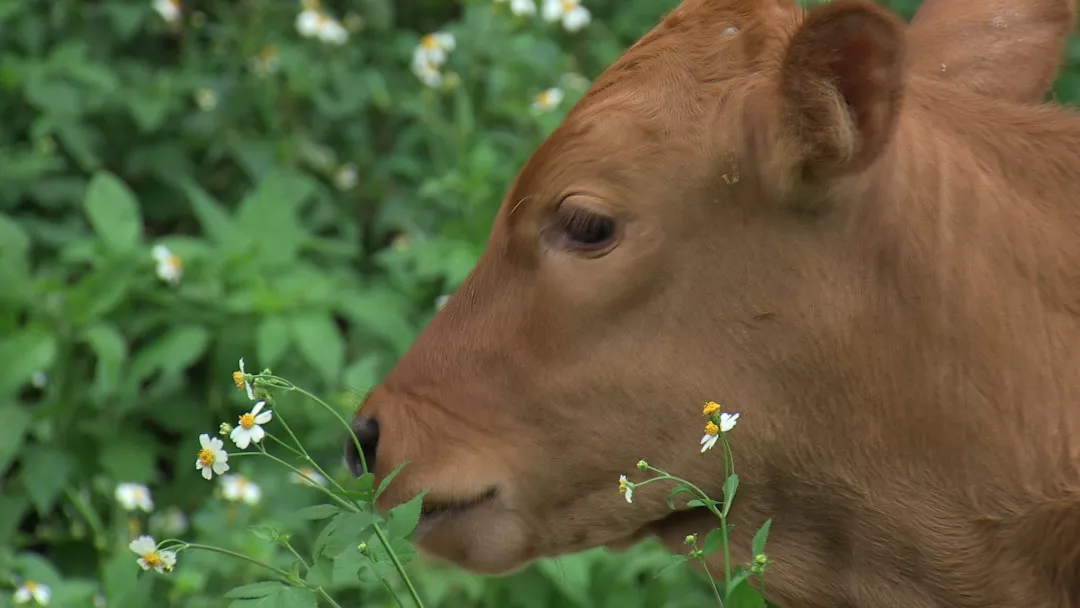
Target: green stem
[285,384]
[91,517]
[289,546]
[341,501]
[712,582]
[251,560]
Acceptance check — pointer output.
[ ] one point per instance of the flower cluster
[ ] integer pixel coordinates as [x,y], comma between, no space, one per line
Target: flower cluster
[718,422]
[571,13]
[430,56]
[150,557]
[312,22]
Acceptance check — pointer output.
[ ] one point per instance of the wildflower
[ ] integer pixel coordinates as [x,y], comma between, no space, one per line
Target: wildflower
[547,100]
[441,301]
[132,496]
[168,9]
[29,590]
[710,408]
[212,459]
[206,99]
[39,379]
[522,8]
[237,487]
[626,487]
[266,62]
[150,556]
[690,540]
[169,266]
[239,378]
[313,23]
[315,477]
[570,12]
[224,429]
[345,177]
[430,55]
[642,465]
[172,522]
[250,429]
[708,440]
[727,422]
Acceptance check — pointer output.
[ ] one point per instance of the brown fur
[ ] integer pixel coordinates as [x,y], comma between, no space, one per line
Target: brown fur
[879,268]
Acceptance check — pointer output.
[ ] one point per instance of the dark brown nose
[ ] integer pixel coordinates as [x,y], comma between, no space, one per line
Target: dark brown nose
[367,432]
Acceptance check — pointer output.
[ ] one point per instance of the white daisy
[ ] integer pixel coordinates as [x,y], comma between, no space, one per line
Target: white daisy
[237,487]
[311,473]
[522,8]
[169,266]
[249,429]
[29,590]
[168,9]
[570,12]
[345,177]
[240,379]
[212,459]
[626,488]
[150,556]
[548,100]
[132,496]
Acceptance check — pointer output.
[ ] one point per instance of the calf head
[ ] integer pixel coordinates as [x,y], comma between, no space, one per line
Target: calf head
[678,239]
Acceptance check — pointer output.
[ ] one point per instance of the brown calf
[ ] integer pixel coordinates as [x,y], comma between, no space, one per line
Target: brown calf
[879,268]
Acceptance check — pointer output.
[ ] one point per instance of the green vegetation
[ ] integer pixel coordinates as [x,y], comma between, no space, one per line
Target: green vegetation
[183,185]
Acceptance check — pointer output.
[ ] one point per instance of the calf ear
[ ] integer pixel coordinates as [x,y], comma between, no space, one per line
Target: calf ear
[841,82]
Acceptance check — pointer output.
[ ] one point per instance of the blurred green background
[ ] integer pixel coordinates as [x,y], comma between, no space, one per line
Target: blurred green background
[182,185]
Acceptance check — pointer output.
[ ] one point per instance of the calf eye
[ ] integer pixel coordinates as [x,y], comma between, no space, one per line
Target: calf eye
[585,229]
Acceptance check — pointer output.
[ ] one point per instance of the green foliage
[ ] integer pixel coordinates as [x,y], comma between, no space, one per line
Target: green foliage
[319,198]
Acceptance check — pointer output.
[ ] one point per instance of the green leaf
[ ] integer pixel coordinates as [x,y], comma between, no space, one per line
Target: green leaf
[129,460]
[713,541]
[113,211]
[172,353]
[44,472]
[271,214]
[214,218]
[296,597]
[24,353]
[318,340]
[742,595]
[261,589]
[318,511]
[761,536]
[385,483]
[404,517]
[99,292]
[111,351]
[682,488]
[344,529]
[272,339]
[730,485]
[12,431]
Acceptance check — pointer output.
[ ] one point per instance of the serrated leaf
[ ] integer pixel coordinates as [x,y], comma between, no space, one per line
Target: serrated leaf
[12,431]
[346,528]
[261,589]
[385,483]
[272,339]
[319,341]
[24,353]
[44,472]
[113,211]
[404,517]
[318,511]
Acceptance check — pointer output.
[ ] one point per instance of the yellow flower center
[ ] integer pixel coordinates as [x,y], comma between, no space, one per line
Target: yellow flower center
[711,408]
[31,586]
[268,52]
[206,457]
[175,3]
[247,420]
[173,261]
[429,42]
[238,379]
[569,5]
[622,486]
[153,559]
[544,98]
[711,429]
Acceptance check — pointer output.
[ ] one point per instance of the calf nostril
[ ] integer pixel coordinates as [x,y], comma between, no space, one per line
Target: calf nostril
[367,434]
